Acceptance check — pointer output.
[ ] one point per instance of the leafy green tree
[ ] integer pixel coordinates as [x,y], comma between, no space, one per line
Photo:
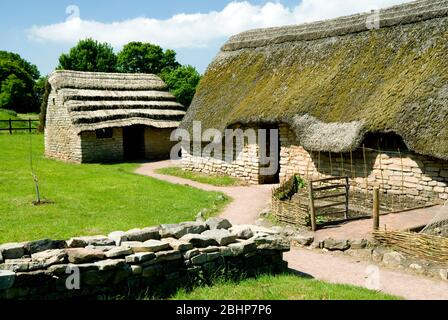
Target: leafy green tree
[16,86]
[139,57]
[15,95]
[182,82]
[89,55]
[31,69]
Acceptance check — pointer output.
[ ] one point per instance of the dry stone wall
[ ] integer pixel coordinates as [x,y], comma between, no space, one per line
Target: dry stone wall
[61,139]
[153,261]
[100,150]
[246,164]
[157,143]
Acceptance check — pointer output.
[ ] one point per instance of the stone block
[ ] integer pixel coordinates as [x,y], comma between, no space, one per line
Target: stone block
[140,257]
[43,245]
[199,241]
[7,279]
[393,259]
[118,252]
[105,265]
[118,237]
[222,236]
[178,245]
[218,223]
[143,235]
[272,242]
[82,255]
[336,244]
[12,250]
[82,242]
[168,255]
[155,246]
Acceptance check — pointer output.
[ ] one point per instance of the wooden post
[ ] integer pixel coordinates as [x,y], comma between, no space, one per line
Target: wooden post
[365,171]
[10,126]
[312,208]
[29,125]
[347,192]
[376,209]
[331,164]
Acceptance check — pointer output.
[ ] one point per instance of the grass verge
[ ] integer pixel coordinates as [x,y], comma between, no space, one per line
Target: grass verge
[215,180]
[281,287]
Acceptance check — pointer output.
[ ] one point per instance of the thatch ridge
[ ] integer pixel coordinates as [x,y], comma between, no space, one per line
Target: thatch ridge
[105,81]
[104,100]
[392,79]
[401,14]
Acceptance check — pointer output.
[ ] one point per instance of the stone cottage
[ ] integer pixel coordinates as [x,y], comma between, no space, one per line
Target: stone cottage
[104,117]
[363,96]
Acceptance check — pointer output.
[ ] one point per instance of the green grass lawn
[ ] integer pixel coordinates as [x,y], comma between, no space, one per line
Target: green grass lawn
[215,180]
[282,287]
[88,199]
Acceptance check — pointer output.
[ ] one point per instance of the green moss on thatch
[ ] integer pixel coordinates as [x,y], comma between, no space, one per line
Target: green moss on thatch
[391,79]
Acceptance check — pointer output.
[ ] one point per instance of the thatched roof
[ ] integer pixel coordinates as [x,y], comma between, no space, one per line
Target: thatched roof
[335,81]
[105,100]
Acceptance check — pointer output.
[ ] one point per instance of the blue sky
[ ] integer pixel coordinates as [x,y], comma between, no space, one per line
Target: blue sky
[41,30]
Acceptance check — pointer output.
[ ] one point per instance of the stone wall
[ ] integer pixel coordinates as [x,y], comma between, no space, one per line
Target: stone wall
[419,177]
[149,261]
[61,140]
[246,164]
[157,143]
[102,150]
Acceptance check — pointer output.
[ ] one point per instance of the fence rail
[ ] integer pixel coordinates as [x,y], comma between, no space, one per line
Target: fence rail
[332,184]
[10,128]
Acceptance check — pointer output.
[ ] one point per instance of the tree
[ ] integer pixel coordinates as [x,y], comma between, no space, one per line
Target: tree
[16,86]
[138,57]
[31,69]
[89,55]
[44,103]
[15,95]
[182,82]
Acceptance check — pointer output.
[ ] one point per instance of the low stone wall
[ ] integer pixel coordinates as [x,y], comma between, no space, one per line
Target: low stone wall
[245,166]
[152,261]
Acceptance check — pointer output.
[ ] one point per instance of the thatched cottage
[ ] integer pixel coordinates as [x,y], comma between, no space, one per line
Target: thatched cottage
[103,117]
[364,96]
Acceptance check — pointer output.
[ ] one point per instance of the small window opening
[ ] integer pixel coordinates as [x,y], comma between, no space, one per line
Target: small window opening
[104,133]
[385,141]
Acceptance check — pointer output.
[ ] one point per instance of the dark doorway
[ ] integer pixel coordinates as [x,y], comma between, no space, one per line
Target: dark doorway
[273,154]
[134,143]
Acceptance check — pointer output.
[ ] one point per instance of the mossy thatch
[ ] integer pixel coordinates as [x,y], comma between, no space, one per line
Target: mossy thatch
[105,100]
[338,75]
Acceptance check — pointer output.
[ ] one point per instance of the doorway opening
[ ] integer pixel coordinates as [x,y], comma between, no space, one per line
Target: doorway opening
[134,143]
[273,157]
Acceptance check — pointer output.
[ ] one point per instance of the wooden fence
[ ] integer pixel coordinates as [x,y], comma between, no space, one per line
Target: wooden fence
[10,125]
[428,247]
[329,192]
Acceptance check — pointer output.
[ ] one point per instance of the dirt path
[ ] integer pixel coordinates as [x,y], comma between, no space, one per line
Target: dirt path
[348,270]
[248,202]
[362,229]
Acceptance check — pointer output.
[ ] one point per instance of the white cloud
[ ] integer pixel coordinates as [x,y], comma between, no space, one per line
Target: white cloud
[201,29]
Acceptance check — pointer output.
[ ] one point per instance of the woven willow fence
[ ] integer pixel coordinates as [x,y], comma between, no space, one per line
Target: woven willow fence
[294,211]
[432,248]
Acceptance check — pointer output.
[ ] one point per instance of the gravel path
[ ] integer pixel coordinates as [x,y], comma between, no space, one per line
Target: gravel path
[251,200]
